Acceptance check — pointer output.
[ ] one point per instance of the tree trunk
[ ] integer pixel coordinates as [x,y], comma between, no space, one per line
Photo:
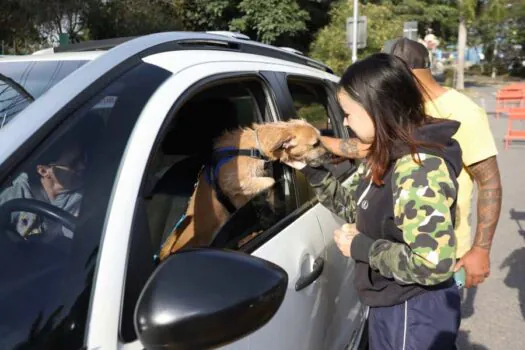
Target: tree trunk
[460,63]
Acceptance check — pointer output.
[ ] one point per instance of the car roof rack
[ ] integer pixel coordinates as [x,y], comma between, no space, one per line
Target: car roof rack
[235,35]
[292,50]
[93,45]
[212,40]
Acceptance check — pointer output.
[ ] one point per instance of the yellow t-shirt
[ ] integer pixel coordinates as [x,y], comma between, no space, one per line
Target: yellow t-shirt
[477,143]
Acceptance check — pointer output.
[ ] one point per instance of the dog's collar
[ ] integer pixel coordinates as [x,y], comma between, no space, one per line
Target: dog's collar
[224,154]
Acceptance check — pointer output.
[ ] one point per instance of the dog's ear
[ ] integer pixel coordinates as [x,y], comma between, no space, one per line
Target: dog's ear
[289,142]
[285,140]
[274,137]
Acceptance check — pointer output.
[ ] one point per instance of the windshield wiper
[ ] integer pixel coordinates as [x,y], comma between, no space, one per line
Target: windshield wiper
[17,87]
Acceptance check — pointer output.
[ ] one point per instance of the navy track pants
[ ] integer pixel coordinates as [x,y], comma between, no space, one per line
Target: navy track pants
[429,321]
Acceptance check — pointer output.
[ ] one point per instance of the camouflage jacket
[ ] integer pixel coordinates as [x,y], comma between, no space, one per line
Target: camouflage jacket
[422,199]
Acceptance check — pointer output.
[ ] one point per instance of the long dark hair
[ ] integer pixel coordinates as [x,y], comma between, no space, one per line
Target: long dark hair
[386,88]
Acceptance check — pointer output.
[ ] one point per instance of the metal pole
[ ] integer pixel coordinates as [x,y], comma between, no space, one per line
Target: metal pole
[354,33]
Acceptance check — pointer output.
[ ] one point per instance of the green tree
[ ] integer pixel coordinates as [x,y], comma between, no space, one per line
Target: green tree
[469,11]
[440,15]
[218,14]
[330,44]
[120,18]
[507,32]
[269,20]
[207,14]
[16,25]
[55,17]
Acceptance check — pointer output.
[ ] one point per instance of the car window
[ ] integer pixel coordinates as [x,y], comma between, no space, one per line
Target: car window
[23,82]
[175,168]
[312,103]
[52,212]
[188,144]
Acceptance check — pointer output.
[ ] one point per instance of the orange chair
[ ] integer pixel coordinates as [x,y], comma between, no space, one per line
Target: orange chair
[515,114]
[507,98]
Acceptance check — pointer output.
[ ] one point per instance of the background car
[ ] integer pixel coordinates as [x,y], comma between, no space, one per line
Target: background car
[143,115]
[26,77]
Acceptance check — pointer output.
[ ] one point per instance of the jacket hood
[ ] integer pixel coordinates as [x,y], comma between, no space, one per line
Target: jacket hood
[439,132]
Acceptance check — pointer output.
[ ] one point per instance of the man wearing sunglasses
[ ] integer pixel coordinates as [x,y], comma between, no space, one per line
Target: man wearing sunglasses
[58,183]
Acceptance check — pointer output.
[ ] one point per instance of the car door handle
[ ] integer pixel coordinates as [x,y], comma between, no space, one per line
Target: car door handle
[305,281]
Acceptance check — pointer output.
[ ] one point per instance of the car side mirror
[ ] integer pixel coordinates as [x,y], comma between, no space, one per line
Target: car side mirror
[206,298]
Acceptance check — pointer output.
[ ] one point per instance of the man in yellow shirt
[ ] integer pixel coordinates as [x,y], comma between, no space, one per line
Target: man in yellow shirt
[479,160]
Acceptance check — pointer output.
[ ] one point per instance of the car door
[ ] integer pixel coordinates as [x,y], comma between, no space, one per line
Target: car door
[294,240]
[313,99]
[299,249]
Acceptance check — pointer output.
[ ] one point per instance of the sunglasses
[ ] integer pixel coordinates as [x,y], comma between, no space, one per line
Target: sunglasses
[68,177]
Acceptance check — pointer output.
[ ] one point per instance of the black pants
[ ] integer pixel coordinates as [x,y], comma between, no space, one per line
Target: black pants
[429,321]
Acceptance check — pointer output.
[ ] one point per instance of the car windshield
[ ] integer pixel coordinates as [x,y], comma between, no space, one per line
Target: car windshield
[52,211]
[21,82]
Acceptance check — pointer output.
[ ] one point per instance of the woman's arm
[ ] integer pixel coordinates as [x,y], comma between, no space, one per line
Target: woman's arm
[347,148]
[423,196]
[332,194]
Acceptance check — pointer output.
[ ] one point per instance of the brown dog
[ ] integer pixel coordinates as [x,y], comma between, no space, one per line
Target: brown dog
[243,177]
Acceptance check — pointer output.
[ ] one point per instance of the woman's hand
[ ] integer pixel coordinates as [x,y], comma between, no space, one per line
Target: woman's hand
[344,236]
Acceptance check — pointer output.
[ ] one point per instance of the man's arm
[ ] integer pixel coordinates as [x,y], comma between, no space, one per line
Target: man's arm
[348,148]
[487,176]
[477,260]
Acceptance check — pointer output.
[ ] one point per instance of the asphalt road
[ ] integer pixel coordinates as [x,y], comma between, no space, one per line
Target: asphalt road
[494,312]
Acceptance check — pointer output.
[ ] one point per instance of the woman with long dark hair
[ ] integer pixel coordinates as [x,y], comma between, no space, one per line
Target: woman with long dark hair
[400,206]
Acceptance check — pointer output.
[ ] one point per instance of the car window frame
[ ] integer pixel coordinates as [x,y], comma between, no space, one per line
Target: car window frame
[335,114]
[137,235]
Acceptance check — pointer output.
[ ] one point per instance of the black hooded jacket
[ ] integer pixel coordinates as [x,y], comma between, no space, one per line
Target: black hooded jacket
[389,268]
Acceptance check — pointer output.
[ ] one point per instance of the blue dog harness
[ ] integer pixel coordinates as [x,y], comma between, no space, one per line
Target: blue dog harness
[219,157]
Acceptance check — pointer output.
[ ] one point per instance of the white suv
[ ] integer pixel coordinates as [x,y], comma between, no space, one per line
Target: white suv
[79,266]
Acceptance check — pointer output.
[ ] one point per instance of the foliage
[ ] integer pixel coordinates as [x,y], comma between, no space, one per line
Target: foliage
[15,24]
[448,74]
[504,23]
[315,25]
[330,44]
[207,14]
[518,72]
[270,19]
[439,15]
[130,18]
[59,16]
[480,12]
[314,113]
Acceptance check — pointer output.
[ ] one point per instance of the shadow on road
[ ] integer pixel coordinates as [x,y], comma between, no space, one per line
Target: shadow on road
[516,263]
[463,342]
[467,301]
[475,83]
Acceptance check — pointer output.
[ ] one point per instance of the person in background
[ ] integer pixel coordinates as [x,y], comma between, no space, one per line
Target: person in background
[479,160]
[399,205]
